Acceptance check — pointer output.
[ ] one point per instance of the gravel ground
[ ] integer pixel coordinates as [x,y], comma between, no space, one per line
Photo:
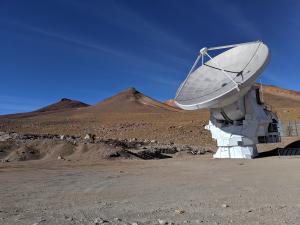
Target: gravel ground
[197,190]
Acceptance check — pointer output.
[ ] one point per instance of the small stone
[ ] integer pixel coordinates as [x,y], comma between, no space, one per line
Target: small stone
[68,218]
[5,137]
[225,206]
[117,219]
[132,139]
[134,223]
[60,157]
[62,137]
[162,222]
[98,221]
[179,211]
[42,219]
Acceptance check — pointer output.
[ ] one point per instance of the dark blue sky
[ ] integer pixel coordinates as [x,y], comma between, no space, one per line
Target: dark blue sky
[90,50]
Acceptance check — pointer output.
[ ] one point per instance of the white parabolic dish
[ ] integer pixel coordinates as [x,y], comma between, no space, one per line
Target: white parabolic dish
[209,85]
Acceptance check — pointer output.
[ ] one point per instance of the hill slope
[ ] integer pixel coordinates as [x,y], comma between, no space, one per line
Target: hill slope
[280,98]
[130,101]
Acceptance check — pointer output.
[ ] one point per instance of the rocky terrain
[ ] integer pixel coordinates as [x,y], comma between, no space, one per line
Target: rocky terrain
[133,160]
[22,147]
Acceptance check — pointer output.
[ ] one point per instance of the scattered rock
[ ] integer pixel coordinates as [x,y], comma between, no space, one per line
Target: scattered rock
[163,222]
[179,211]
[151,154]
[69,218]
[90,137]
[225,206]
[60,157]
[4,136]
[132,139]
[41,219]
[134,223]
[98,221]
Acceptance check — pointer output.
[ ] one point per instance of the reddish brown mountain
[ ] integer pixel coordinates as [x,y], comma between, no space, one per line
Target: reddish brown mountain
[63,104]
[131,100]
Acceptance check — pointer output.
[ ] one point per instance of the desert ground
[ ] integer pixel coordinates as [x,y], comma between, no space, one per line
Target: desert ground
[149,163]
[197,190]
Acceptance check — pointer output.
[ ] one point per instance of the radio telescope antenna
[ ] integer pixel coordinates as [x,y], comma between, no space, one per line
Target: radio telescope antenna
[225,85]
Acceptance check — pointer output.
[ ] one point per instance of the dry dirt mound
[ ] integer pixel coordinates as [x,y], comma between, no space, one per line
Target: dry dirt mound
[11,151]
[94,152]
[131,100]
[23,151]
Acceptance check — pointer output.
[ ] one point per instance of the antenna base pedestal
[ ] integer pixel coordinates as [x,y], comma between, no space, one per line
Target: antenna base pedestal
[238,127]
[232,143]
[236,152]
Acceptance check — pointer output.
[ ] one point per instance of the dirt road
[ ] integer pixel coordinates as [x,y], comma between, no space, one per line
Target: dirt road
[200,190]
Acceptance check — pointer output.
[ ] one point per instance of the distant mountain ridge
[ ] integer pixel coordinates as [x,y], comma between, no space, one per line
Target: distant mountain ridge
[64,103]
[133,101]
[127,101]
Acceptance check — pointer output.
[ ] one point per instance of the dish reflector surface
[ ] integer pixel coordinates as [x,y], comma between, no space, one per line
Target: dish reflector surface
[209,87]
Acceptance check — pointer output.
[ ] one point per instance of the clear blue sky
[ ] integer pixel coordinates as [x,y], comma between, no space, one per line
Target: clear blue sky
[90,50]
